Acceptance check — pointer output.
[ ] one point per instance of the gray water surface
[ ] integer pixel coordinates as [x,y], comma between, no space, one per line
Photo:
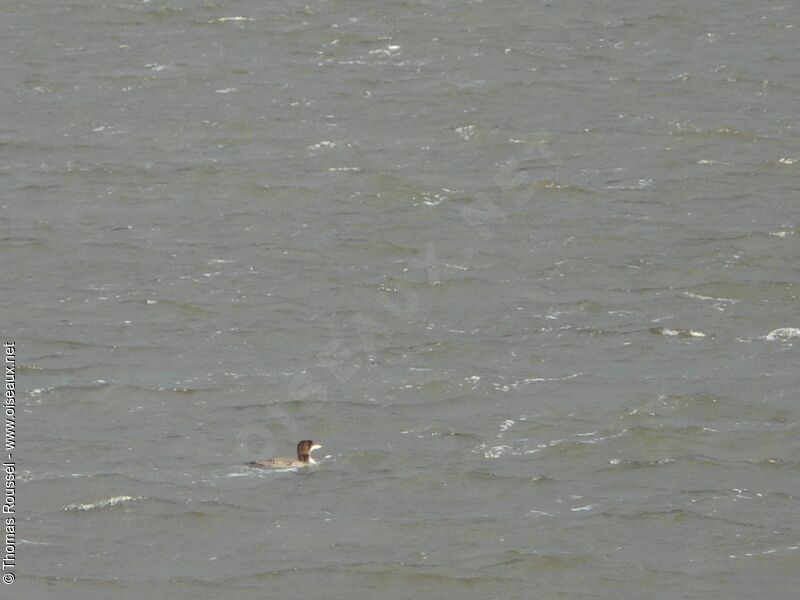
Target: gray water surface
[527,270]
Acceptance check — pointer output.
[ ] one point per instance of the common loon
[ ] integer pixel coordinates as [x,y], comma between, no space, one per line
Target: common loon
[304,450]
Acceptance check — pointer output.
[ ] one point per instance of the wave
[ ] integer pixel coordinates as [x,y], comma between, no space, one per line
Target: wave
[106,503]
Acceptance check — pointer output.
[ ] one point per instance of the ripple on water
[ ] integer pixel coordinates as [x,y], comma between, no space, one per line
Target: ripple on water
[101,504]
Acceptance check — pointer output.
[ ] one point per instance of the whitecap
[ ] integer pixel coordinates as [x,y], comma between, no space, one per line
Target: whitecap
[782,333]
[466,132]
[107,503]
[322,144]
[701,297]
[390,50]
[230,20]
[681,332]
[506,425]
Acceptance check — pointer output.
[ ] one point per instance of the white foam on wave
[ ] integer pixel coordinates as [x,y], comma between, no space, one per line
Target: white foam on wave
[107,503]
[782,333]
[701,297]
[322,144]
[503,450]
[506,425]
[495,451]
[764,552]
[390,50]
[507,387]
[230,20]
[682,332]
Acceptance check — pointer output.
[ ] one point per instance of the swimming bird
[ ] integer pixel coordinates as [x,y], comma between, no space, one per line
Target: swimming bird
[304,450]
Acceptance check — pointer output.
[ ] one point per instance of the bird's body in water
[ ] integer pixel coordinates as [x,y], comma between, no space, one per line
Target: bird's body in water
[304,449]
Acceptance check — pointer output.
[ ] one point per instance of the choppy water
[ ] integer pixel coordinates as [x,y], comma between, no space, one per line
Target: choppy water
[528,270]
